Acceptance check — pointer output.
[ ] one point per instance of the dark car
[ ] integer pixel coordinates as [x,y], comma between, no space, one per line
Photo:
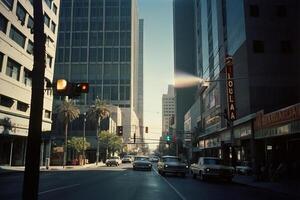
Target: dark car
[172,164]
[141,162]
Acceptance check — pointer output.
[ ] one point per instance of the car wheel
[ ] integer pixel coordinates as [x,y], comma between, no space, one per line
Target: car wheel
[194,175]
[202,178]
[228,180]
[163,173]
[183,175]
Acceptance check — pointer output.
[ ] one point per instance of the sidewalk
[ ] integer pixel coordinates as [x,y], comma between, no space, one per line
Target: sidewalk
[290,187]
[19,169]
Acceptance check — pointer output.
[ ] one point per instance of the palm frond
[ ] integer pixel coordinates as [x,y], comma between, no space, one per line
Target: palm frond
[67,111]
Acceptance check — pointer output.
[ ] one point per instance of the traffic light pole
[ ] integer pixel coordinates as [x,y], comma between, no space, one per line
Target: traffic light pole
[32,165]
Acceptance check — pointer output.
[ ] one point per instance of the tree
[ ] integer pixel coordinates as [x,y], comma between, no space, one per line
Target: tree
[96,114]
[77,143]
[110,142]
[67,112]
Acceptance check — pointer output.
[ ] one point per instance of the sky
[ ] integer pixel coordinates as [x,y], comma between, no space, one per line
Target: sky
[158,60]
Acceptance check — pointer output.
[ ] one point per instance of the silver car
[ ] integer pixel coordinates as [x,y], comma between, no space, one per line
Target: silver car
[172,164]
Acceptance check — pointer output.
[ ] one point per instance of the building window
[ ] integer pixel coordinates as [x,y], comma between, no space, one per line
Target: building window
[47,114]
[49,61]
[286,46]
[27,80]
[1,61]
[3,23]
[48,2]
[254,11]
[47,20]
[30,22]
[21,106]
[54,8]
[30,47]
[17,36]
[281,11]
[13,69]
[6,101]
[21,13]
[53,27]
[8,3]
[258,46]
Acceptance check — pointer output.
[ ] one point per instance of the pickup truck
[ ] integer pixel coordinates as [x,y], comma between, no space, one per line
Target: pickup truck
[211,167]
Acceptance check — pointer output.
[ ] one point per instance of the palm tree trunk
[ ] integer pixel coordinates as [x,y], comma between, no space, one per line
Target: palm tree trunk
[66,145]
[97,135]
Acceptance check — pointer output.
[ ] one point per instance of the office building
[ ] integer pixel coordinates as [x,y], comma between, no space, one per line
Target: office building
[98,43]
[263,40]
[184,59]
[168,109]
[16,62]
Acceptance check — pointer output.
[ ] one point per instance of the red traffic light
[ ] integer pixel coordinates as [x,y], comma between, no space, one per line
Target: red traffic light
[82,87]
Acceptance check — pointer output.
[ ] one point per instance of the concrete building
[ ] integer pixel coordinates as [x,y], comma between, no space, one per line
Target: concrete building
[16,62]
[140,82]
[98,43]
[184,59]
[168,109]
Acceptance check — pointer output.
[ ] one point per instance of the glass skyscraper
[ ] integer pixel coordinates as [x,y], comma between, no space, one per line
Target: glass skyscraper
[96,44]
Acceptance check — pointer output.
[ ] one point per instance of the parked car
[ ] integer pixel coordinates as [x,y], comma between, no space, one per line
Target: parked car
[126,159]
[172,164]
[113,161]
[141,162]
[213,167]
[244,168]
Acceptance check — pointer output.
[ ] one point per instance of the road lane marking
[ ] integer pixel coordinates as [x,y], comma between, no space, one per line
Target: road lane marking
[59,188]
[177,192]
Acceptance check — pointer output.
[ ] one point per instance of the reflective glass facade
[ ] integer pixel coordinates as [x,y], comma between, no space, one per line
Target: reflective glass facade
[94,46]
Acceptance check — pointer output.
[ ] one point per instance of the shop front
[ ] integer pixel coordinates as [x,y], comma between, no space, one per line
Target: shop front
[277,136]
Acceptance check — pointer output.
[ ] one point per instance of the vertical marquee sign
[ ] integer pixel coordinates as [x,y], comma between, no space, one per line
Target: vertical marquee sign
[230,89]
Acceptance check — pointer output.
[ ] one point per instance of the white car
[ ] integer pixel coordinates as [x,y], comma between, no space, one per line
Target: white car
[126,159]
[115,160]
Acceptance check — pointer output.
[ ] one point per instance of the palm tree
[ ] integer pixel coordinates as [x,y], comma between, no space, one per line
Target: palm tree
[67,112]
[96,113]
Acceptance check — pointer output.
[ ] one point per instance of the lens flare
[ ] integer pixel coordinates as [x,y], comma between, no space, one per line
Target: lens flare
[183,80]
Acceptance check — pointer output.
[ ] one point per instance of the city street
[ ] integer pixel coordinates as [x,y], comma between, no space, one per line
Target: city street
[124,183]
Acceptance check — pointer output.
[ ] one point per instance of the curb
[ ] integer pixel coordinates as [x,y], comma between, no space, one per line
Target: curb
[265,188]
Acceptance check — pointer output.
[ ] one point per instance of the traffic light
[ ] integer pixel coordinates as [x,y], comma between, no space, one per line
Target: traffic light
[65,88]
[119,130]
[134,138]
[79,88]
[174,138]
[146,129]
[168,138]
[62,87]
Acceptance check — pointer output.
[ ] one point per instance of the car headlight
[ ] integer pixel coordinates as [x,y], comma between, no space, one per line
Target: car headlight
[166,166]
[150,165]
[207,169]
[187,167]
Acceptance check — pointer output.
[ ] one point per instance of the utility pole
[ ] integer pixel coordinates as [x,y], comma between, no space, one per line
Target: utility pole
[32,165]
[83,150]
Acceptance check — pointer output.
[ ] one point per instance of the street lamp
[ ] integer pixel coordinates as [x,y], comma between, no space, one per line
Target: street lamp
[83,150]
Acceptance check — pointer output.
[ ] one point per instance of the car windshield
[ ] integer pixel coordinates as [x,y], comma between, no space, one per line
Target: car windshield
[141,159]
[171,159]
[212,161]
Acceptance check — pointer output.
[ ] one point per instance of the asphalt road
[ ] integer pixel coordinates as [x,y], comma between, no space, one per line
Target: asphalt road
[123,183]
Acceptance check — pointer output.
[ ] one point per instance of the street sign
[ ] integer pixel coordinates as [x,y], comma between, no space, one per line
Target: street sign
[230,89]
